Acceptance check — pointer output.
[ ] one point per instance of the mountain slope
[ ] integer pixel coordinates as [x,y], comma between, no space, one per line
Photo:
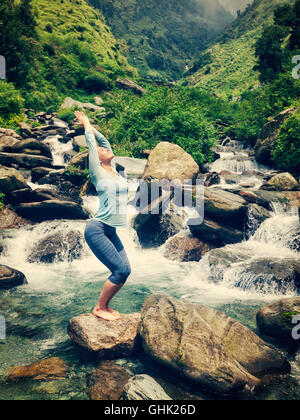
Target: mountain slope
[81,22]
[228,66]
[164,36]
[234,5]
[77,53]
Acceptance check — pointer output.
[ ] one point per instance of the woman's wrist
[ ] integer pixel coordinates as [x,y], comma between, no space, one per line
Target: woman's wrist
[88,127]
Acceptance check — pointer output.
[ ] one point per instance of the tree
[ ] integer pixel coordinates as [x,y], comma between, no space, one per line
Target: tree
[289,16]
[269,51]
[295,35]
[19,40]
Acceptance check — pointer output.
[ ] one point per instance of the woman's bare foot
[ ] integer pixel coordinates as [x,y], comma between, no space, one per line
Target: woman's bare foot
[112,311]
[105,314]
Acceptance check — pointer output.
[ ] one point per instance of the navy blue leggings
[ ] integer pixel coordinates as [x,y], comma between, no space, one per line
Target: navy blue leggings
[108,248]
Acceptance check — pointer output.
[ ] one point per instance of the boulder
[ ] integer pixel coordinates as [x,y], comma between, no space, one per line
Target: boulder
[127,84]
[11,179]
[9,219]
[10,277]
[271,275]
[134,167]
[79,141]
[107,340]
[225,208]
[10,133]
[107,383]
[27,195]
[185,249]
[276,320]
[7,142]
[170,162]
[59,123]
[212,178]
[24,160]
[153,230]
[63,246]
[256,216]
[40,172]
[281,182]
[69,103]
[46,370]
[215,234]
[98,100]
[81,160]
[30,145]
[205,346]
[50,210]
[143,387]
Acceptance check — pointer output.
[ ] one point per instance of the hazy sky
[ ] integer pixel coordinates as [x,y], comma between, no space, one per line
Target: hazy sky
[234,5]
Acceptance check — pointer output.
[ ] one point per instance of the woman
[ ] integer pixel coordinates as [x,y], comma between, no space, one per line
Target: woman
[100,232]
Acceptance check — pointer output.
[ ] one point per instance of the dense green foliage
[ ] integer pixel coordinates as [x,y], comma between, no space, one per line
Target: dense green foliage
[269,49]
[19,40]
[163,36]
[184,116]
[11,105]
[53,48]
[286,147]
[2,200]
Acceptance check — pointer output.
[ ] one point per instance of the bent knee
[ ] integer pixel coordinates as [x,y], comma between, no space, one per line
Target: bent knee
[121,275]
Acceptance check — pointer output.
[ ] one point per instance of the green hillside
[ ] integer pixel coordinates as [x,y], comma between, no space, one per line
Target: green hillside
[226,68]
[71,50]
[164,36]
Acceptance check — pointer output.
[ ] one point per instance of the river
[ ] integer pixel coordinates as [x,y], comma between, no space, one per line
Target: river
[37,314]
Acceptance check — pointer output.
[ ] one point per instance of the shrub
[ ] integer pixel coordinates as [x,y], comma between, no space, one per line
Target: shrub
[11,101]
[163,114]
[95,83]
[286,147]
[2,200]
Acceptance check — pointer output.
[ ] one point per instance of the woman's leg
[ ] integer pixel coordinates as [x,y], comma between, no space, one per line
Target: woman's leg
[126,267]
[101,238]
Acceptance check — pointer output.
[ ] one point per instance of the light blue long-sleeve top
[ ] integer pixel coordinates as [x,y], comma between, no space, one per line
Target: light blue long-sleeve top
[112,189]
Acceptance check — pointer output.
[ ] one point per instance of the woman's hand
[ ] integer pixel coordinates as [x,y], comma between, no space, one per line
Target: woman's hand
[82,120]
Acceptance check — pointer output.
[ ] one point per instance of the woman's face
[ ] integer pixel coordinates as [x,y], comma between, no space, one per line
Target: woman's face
[105,154]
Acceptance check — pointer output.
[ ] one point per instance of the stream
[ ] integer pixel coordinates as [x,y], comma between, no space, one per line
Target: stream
[37,314]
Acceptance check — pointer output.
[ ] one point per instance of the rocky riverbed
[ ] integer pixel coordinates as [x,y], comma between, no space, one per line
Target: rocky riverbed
[223,292]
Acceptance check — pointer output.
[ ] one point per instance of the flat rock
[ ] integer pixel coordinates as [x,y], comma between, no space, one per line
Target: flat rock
[225,208]
[50,210]
[107,382]
[216,234]
[46,370]
[108,340]
[24,160]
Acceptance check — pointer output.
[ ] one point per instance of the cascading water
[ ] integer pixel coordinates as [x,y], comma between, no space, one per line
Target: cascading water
[37,314]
